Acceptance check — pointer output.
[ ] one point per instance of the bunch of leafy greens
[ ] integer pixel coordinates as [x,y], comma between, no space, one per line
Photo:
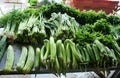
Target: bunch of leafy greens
[83,17]
[102,26]
[62,26]
[100,30]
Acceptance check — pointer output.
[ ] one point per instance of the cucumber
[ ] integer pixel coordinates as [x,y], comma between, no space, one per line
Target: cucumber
[96,54]
[9,60]
[87,57]
[74,62]
[111,54]
[82,54]
[37,61]
[74,50]
[30,60]
[22,59]
[90,52]
[57,66]
[47,51]
[100,47]
[42,52]
[52,49]
[63,53]
[59,50]
[68,55]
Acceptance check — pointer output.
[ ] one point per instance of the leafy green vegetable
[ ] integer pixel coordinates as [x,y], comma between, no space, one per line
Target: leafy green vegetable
[31,31]
[100,30]
[107,40]
[113,19]
[62,26]
[55,7]
[102,26]
[16,15]
[84,37]
[81,17]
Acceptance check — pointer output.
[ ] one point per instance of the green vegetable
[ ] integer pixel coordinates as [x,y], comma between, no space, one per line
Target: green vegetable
[113,19]
[68,54]
[90,52]
[57,66]
[22,59]
[96,53]
[56,8]
[102,26]
[37,63]
[33,2]
[52,49]
[9,60]
[87,57]
[30,60]
[100,46]
[59,50]
[47,51]
[2,46]
[111,55]
[7,28]
[31,31]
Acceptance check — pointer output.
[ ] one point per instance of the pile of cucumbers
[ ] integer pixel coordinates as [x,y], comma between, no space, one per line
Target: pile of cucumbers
[59,57]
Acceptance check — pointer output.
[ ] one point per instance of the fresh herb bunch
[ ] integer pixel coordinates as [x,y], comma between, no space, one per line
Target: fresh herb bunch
[102,26]
[100,30]
[113,19]
[55,7]
[15,15]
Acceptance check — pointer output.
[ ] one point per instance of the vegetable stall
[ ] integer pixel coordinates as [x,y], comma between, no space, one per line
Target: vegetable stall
[58,39]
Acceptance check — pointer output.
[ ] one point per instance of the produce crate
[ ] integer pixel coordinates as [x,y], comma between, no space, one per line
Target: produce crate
[106,5]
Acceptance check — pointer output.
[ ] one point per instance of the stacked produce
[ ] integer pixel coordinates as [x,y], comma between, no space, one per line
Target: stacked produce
[60,38]
[31,31]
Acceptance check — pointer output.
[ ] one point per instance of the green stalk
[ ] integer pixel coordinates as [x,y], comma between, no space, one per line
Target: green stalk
[7,28]
[13,27]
